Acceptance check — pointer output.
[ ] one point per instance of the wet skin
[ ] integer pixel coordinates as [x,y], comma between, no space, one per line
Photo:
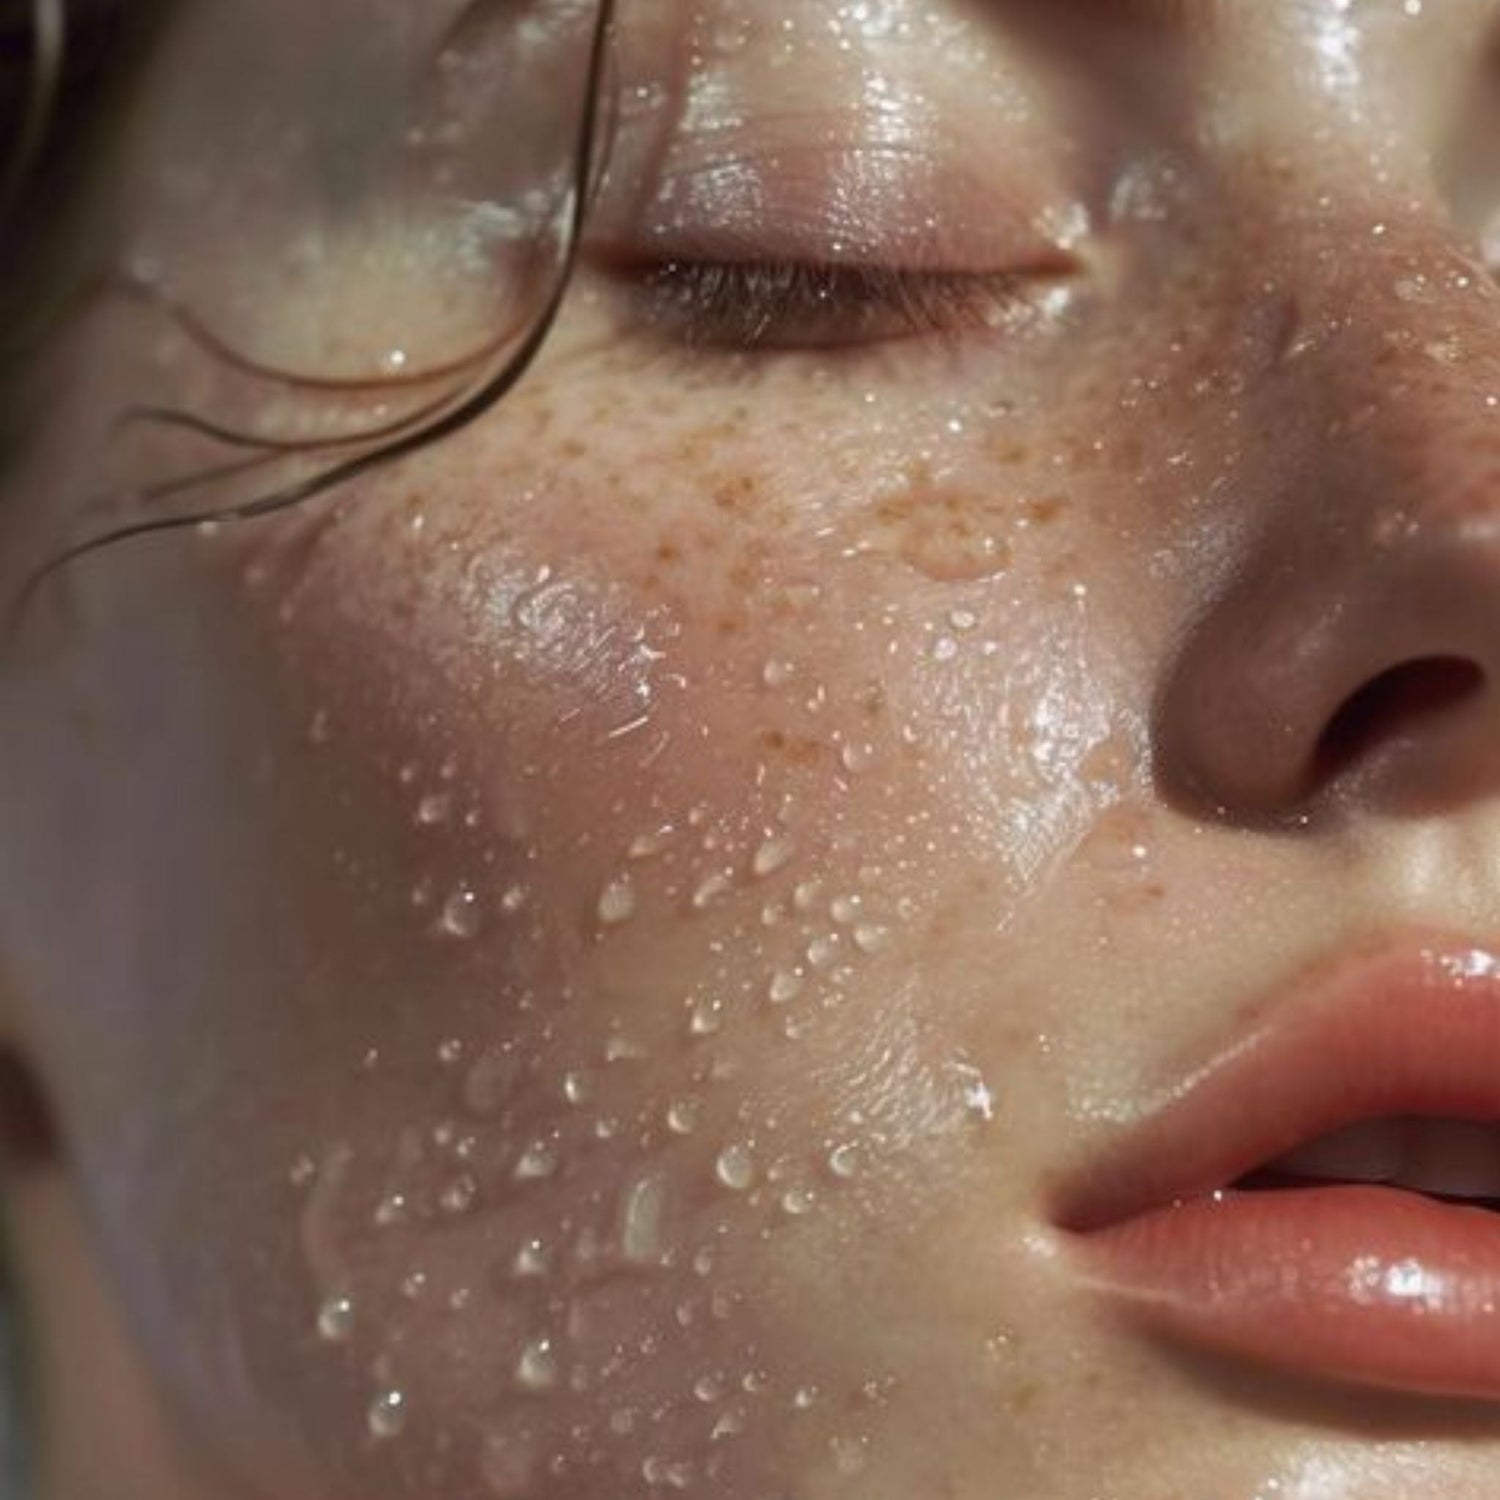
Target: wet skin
[571,965]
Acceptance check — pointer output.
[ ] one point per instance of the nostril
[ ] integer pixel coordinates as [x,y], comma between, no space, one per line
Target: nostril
[1391,705]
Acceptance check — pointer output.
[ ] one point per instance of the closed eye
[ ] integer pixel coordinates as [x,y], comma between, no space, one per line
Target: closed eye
[771,304]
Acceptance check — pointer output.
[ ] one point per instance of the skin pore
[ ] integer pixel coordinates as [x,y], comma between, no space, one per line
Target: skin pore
[573,964]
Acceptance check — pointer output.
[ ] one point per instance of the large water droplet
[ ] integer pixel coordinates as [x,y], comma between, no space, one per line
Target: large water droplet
[641,1209]
[706,1016]
[735,1167]
[711,890]
[435,808]
[617,902]
[458,1197]
[387,1415]
[843,1160]
[536,1370]
[460,917]
[871,938]
[336,1319]
[537,1161]
[785,985]
[532,1259]
[774,854]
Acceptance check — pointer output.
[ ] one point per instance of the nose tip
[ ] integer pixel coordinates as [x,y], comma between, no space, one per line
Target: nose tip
[1347,662]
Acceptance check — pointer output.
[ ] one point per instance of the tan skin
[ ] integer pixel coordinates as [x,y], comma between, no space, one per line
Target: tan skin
[625,917]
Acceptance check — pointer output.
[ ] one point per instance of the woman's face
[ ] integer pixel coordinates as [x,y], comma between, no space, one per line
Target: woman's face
[587,962]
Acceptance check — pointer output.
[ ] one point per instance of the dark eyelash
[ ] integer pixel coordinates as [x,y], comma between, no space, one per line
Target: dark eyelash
[788,305]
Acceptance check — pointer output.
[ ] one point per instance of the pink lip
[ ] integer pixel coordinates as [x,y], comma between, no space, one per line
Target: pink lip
[1378,1286]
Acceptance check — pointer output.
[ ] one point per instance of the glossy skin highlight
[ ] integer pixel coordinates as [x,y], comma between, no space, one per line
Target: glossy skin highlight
[569,966]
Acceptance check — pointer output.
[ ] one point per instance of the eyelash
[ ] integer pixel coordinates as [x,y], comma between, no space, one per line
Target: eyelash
[768,304]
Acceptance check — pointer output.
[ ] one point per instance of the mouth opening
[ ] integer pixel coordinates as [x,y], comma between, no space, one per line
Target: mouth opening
[1443,1159]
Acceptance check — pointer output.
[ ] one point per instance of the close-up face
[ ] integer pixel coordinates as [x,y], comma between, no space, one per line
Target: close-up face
[774,916]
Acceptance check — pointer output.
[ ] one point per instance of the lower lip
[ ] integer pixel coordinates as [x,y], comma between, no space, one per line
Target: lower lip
[1370,1285]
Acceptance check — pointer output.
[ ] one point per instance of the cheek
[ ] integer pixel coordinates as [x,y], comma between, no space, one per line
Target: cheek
[636,862]
[676,829]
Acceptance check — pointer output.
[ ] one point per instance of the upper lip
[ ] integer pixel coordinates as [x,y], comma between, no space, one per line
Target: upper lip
[1406,1025]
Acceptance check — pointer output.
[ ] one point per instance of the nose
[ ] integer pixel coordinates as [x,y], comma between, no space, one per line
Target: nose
[1350,650]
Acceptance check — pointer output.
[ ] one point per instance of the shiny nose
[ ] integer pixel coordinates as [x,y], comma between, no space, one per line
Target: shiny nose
[1350,652]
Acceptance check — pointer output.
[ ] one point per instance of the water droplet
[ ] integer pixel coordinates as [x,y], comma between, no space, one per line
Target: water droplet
[822,951]
[303,1172]
[773,855]
[735,1167]
[798,1201]
[706,1017]
[843,1160]
[450,1051]
[776,674]
[785,985]
[617,902]
[649,845]
[536,1370]
[945,648]
[661,1474]
[621,1049]
[320,727]
[577,1087]
[336,1319]
[849,1455]
[531,1259]
[458,1197]
[387,1415]
[857,756]
[622,1421]
[711,890]
[414,1285]
[963,619]
[708,1388]
[682,1116]
[844,909]
[460,916]
[391,1210]
[805,897]
[704,1259]
[537,1161]
[805,1398]
[513,899]
[869,937]
[435,808]
[730,1424]
[641,1209]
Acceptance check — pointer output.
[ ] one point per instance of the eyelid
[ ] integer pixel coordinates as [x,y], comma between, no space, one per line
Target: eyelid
[919,208]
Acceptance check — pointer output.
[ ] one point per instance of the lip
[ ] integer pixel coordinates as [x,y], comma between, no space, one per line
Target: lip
[1372,1285]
